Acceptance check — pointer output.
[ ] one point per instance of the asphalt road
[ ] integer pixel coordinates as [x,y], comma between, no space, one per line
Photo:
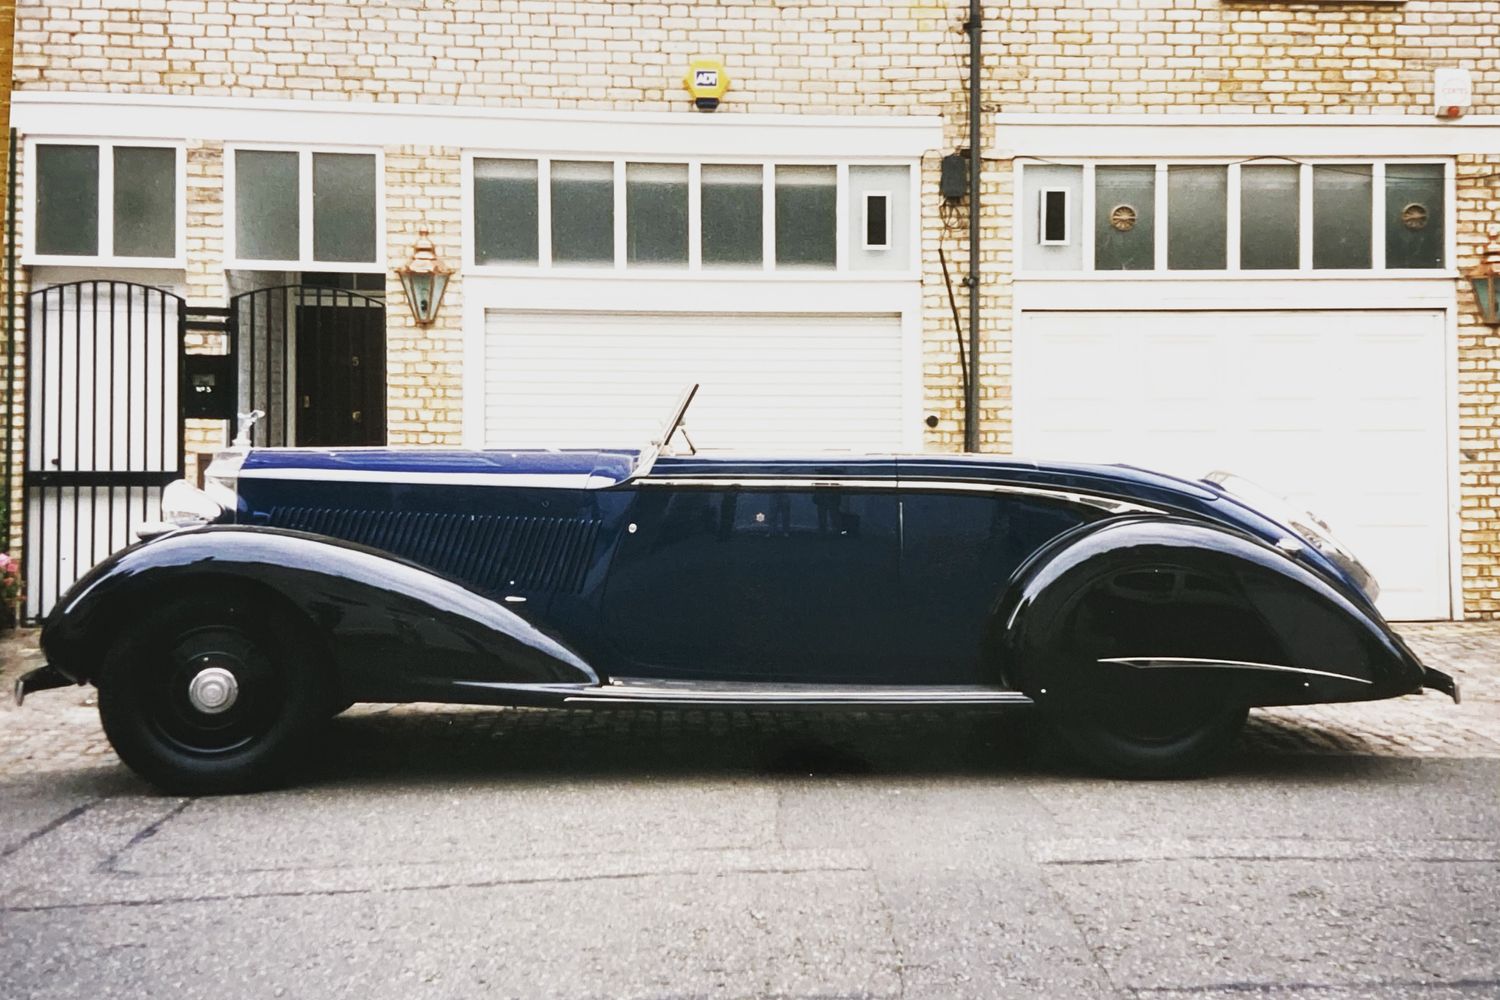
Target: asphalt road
[657,855]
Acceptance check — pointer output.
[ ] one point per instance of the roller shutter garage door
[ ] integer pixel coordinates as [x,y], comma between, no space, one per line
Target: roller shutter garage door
[769,381]
[1341,411]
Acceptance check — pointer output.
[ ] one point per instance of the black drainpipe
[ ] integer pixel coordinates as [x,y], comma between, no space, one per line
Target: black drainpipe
[976,160]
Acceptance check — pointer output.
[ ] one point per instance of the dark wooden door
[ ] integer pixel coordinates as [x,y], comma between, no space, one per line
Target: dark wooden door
[340,375]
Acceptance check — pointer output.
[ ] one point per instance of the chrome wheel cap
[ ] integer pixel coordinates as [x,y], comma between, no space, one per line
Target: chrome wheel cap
[213,690]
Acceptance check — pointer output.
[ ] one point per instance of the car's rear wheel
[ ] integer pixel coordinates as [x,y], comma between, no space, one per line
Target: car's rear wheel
[210,696]
[1156,728]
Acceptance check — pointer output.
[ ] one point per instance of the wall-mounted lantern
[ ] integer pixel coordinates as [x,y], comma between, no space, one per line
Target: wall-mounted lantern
[1486,284]
[424,278]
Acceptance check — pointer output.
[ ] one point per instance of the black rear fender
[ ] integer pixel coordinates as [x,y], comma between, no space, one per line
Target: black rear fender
[1173,598]
[391,630]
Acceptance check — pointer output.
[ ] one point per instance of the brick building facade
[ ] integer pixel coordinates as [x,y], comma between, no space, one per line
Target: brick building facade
[461,104]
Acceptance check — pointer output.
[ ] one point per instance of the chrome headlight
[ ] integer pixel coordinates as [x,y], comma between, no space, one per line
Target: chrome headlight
[1309,527]
[183,505]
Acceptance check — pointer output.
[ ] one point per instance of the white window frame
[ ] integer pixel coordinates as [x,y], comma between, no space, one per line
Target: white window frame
[764,270]
[106,207]
[864,227]
[1041,217]
[1160,271]
[305,260]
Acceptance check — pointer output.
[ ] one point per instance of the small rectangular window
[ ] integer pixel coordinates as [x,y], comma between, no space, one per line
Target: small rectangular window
[806,214]
[344,193]
[1270,216]
[656,213]
[1415,230]
[1197,218]
[266,205]
[145,209]
[1052,218]
[1341,216]
[67,200]
[733,228]
[583,212]
[505,211]
[877,220]
[1124,218]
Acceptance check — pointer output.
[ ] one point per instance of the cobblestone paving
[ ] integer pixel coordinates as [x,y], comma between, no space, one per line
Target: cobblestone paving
[59,730]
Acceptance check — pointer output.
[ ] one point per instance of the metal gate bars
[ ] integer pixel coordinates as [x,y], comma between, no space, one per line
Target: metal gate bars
[104,363]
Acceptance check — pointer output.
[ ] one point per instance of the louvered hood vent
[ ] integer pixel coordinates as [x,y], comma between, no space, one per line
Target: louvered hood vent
[487,553]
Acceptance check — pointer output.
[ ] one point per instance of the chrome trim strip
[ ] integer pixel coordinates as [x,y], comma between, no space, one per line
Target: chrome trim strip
[1170,662]
[529,480]
[1109,504]
[638,692]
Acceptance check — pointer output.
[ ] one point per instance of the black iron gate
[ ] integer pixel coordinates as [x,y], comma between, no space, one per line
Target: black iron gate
[103,436]
[313,361]
[111,382]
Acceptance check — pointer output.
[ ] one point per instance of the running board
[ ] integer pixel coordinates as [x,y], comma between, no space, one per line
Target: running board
[727,694]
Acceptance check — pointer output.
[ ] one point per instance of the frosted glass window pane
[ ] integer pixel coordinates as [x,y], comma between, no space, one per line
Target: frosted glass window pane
[505,211]
[583,212]
[1197,218]
[656,213]
[733,234]
[343,206]
[265,205]
[805,216]
[1414,217]
[67,200]
[1124,218]
[1341,216]
[1270,216]
[145,202]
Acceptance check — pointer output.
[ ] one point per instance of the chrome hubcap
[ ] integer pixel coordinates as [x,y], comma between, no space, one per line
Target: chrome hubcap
[213,690]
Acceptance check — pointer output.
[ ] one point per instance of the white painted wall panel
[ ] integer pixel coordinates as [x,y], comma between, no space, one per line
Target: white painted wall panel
[1344,412]
[769,381]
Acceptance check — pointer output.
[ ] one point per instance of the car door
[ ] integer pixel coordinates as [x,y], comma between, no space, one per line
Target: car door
[960,549]
[773,581]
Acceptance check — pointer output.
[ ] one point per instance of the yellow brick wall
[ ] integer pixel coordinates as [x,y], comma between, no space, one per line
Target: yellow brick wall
[789,57]
[1478,214]
[424,364]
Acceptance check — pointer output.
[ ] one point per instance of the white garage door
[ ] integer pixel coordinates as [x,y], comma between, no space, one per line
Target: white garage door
[769,381]
[1343,412]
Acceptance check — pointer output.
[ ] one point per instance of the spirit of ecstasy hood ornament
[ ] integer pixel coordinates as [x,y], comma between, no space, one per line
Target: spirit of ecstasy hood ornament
[246,424]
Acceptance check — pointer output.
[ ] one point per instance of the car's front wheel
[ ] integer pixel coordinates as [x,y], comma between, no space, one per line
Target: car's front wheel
[211,696]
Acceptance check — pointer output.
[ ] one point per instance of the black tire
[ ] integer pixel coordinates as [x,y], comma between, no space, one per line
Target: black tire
[153,723]
[1183,734]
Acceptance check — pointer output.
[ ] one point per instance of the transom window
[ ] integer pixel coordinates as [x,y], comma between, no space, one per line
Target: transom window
[1252,216]
[689,216]
[300,208]
[117,203]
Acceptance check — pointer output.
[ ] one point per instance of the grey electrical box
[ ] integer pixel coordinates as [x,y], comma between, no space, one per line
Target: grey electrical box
[954,183]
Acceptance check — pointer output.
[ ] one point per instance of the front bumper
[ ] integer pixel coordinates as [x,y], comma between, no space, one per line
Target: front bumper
[1439,681]
[41,679]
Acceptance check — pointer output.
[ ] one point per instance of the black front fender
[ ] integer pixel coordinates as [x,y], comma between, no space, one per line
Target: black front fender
[393,630]
[1184,598]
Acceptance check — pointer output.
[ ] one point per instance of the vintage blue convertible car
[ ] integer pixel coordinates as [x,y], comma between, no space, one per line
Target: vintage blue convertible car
[1142,614]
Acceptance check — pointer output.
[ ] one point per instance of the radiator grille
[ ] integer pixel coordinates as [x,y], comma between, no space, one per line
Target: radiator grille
[486,552]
